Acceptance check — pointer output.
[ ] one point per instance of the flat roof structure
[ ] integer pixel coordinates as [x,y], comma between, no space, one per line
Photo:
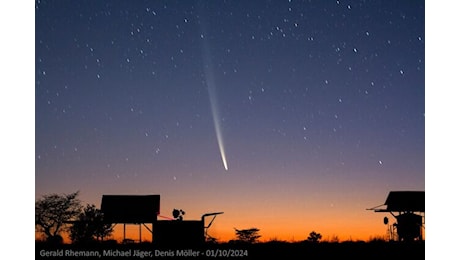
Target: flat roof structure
[130,209]
[404,201]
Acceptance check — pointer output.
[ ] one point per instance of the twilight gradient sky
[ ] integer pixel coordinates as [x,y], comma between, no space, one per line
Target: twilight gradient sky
[321,106]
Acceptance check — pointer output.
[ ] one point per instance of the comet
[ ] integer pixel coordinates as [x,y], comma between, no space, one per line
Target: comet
[211,84]
[217,126]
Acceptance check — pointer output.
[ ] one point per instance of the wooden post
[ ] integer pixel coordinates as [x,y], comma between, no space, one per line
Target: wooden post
[124,232]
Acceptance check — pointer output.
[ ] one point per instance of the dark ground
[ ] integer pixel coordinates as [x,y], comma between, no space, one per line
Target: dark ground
[276,250]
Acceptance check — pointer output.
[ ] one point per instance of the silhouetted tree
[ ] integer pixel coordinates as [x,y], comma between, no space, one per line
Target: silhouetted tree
[314,237]
[90,226]
[53,212]
[250,235]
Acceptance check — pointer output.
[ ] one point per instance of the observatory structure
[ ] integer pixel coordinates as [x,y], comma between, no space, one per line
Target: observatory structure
[139,210]
[408,208]
[144,210]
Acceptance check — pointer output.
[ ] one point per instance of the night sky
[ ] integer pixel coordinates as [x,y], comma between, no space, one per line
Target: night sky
[317,108]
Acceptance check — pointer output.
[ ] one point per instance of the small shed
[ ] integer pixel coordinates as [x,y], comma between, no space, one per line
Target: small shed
[131,209]
[408,208]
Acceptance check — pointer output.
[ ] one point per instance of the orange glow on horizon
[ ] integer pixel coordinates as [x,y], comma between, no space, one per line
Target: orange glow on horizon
[279,213]
[293,231]
[283,217]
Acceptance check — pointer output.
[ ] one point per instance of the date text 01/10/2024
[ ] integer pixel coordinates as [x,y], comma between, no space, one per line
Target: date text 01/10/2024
[208,253]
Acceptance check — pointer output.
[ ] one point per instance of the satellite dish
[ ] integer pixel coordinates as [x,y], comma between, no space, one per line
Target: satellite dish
[385,220]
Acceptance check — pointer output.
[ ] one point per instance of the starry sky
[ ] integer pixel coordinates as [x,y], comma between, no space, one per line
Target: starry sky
[317,108]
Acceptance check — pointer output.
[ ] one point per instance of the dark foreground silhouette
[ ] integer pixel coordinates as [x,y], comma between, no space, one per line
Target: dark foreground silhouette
[186,239]
[277,250]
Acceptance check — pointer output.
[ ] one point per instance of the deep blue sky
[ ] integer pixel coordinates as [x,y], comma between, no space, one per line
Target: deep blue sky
[321,100]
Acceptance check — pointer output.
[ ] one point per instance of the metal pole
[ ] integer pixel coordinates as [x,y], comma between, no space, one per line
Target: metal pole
[124,232]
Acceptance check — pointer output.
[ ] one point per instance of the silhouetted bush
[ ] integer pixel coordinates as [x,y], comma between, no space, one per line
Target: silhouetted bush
[314,237]
[90,226]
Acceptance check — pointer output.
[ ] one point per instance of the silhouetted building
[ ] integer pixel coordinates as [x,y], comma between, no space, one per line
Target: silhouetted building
[131,209]
[145,209]
[179,233]
[408,208]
